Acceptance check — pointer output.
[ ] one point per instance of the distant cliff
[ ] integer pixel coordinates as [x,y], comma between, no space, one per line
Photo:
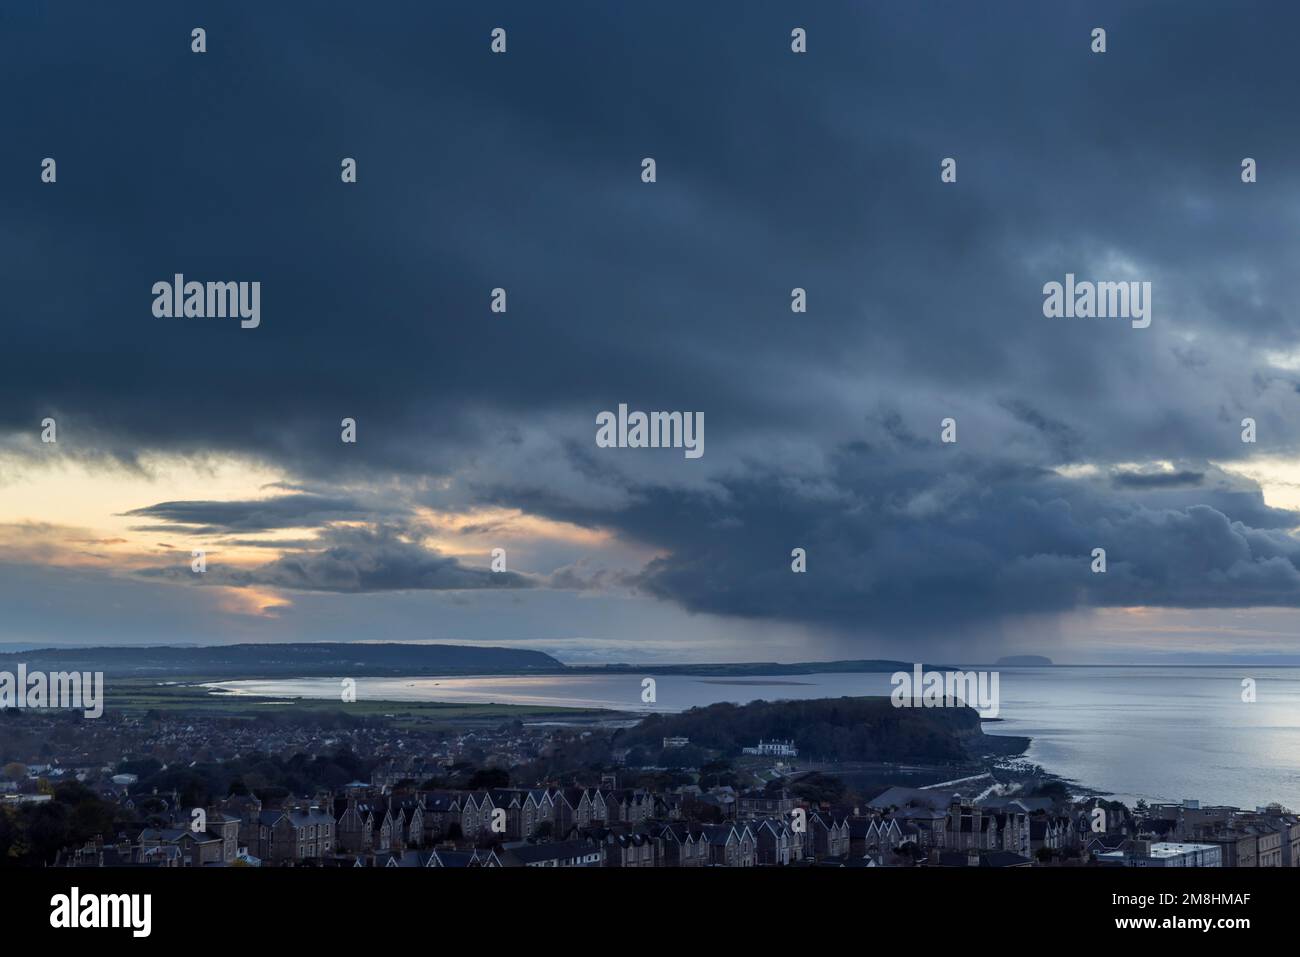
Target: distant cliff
[757,668]
[325,659]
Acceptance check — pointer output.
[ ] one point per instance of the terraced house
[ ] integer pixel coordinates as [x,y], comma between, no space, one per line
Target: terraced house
[367,826]
[558,854]
[730,845]
[684,845]
[776,844]
[295,834]
[827,836]
[538,809]
[628,848]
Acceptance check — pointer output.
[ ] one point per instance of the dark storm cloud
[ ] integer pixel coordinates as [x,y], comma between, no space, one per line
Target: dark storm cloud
[1156,479]
[818,171]
[354,560]
[284,511]
[1059,437]
[897,558]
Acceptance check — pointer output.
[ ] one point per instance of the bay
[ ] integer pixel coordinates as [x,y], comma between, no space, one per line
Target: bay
[1159,733]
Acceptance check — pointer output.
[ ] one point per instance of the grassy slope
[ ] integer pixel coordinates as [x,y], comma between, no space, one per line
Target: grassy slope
[138,695]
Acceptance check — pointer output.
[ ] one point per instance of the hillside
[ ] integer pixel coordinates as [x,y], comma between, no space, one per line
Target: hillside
[325,659]
[755,668]
[832,729]
[1023,661]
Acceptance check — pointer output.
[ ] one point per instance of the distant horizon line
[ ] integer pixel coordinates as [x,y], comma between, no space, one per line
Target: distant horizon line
[1228,659]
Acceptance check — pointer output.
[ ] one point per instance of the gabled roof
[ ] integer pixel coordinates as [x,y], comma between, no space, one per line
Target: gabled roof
[438,801]
[719,834]
[167,835]
[903,797]
[299,818]
[1003,859]
[681,832]
[1110,842]
[537,853]
[776,828]
[450,859]
[862,827]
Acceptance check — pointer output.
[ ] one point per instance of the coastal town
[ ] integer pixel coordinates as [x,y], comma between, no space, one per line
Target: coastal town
[212,791]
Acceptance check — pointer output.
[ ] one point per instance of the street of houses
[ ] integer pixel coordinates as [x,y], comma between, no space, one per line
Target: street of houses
[364,826]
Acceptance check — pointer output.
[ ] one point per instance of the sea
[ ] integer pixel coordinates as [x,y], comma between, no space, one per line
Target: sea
[1220,735]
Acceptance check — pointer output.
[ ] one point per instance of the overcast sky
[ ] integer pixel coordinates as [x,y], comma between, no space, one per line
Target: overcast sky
[775,170]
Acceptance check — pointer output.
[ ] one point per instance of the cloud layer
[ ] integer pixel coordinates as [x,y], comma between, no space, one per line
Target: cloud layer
[774,171]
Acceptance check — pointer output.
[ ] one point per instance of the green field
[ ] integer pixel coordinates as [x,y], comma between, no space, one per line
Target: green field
[138,695]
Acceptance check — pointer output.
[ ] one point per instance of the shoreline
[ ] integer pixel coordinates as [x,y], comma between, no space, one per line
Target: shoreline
[1002,756]
[999,757]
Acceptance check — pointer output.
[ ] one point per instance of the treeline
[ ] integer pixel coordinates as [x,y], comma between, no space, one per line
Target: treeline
[31,834]
[266,776]
[831,729]
[287,660]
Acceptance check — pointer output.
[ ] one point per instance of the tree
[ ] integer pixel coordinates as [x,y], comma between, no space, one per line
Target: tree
[90,818]
[47,830]
[15,771]
[708,813]
[717,774]
[1055,790]
[818,788]
[907,853]
[8,836]
[486,778]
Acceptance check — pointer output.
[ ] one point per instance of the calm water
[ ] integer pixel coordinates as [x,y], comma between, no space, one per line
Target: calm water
[1155,733]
